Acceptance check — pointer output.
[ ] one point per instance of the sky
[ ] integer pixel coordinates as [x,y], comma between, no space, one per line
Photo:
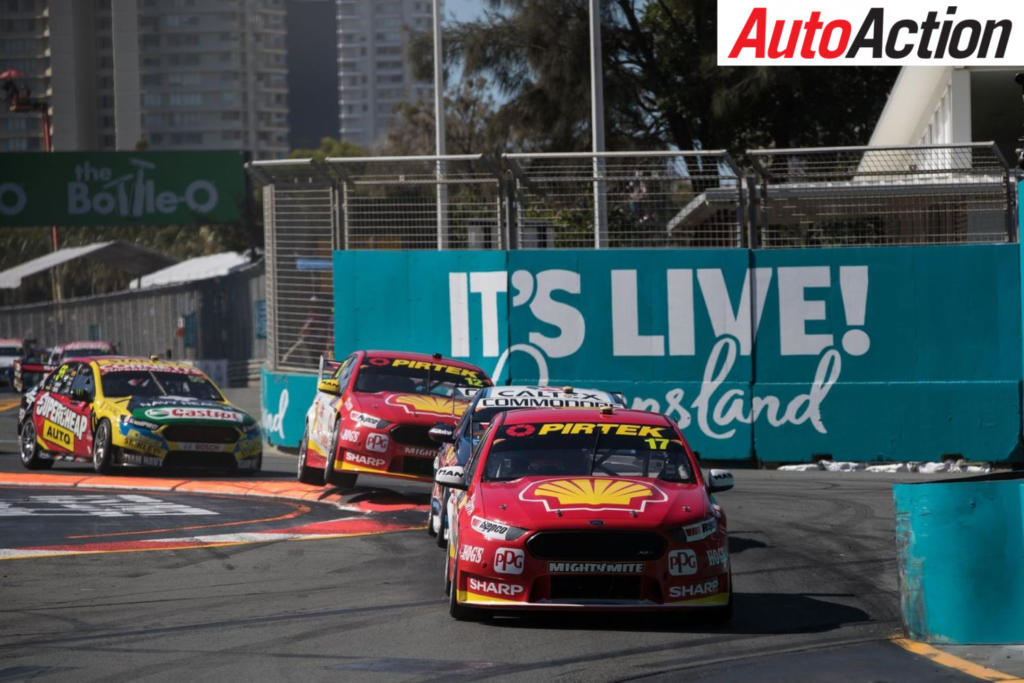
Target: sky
[462,10]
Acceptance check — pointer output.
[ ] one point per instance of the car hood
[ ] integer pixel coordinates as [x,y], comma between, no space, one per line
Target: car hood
[410,408]
[167,409]
[605,502]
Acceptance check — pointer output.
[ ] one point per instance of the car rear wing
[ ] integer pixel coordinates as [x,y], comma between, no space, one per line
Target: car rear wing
[326,365]
[22,368]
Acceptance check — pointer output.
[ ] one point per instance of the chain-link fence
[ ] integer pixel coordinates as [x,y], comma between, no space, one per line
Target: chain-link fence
[846,196]
[393,202]
[650,199]
[300,220]
[682,199]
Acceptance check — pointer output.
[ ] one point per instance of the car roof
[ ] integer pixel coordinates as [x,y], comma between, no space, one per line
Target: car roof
[131,363]
[83,344]
[525,415]
[427,357]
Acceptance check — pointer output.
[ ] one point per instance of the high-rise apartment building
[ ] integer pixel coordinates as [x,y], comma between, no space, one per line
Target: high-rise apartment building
[374,73]
[167,74]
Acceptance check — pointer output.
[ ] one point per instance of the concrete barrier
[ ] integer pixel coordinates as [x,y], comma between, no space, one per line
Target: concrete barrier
[960,546]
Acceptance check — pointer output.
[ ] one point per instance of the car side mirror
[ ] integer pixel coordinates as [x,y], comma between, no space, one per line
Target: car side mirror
[442,432]
[81,394]
[329,386]
[453,477]
[719,480]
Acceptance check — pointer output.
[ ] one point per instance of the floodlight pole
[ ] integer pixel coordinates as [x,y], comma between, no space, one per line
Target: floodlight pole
[597,127]
[439,146]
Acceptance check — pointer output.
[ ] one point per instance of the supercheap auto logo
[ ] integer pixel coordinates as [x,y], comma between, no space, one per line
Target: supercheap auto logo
[862,33]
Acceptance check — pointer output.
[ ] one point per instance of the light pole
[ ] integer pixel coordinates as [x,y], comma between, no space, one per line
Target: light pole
[597,127]
[439,147]
[21,101]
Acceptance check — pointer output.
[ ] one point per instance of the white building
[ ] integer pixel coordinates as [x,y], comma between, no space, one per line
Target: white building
[940,105]
[174,74]
[374,73]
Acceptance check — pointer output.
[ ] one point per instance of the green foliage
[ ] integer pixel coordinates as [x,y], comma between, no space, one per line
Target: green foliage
[662,85]
[330,147]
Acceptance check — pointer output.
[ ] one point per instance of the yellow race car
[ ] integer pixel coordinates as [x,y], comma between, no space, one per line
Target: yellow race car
[122,411]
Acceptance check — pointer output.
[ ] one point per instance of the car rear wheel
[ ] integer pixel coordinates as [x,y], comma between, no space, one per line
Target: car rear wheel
[342,480]
[102,449]
[307,474]
[30,449]
[455,608]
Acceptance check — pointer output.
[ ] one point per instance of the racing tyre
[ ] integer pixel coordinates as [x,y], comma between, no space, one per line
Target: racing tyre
[440,524]
[459,611]
[342,480]
[307,474]
[102,449]
[30,449]
[431,531]
[721,616]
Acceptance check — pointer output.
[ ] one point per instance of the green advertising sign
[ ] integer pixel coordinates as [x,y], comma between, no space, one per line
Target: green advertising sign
[121,188]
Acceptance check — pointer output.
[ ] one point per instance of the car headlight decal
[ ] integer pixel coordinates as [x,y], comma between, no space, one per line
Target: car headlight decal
[368,420]
[690,533]
[496,530]
[136,422]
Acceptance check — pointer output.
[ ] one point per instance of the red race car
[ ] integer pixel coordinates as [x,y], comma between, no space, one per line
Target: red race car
[597,508]
[373,413]
[28,373]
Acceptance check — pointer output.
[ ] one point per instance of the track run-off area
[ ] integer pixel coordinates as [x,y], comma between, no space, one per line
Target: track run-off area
[264,578]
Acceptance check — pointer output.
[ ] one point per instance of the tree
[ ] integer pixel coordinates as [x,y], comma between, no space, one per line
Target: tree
[662,85]
[329,147]
[469,123]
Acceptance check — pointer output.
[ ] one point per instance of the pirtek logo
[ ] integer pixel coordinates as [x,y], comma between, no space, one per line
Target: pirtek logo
[784,35]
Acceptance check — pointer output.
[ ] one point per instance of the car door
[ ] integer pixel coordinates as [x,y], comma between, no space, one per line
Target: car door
[58,424]
[81,397]
[324,407]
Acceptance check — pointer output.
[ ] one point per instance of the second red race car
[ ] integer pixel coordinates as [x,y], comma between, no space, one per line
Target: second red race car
[373,412]
[592,509]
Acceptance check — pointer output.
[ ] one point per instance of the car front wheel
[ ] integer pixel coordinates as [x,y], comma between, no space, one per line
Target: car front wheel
[307,474]
[342,480]
[102,449]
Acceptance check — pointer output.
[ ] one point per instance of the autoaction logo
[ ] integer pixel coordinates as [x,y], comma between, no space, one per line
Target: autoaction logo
[860,33]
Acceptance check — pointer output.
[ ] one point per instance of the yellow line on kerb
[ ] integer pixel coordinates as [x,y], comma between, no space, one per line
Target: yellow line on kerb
[9,404]
[953,662]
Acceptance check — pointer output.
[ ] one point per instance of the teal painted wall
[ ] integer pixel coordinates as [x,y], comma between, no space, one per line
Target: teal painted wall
[904,353]
[284,399]
[961,548]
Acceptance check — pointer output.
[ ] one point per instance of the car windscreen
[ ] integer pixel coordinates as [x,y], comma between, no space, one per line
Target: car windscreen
[602,449]
[416,377]
[151,383]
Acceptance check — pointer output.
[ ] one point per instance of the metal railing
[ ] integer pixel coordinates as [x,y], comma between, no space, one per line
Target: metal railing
[846,196]
[626,199]
[840,196]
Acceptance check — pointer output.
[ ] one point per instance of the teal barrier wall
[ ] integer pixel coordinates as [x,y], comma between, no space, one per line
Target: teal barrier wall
[906,353]
[961,548]
[284,399]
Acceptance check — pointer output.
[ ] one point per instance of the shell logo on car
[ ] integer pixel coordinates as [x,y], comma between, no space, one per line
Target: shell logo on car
[427,404]
[593,494]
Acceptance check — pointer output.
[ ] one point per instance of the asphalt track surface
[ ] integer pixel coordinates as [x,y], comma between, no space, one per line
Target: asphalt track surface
[813,559]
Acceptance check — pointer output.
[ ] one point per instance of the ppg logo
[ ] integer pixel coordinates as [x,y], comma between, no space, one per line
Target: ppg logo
[378,443]
[508,561]
[682,562]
